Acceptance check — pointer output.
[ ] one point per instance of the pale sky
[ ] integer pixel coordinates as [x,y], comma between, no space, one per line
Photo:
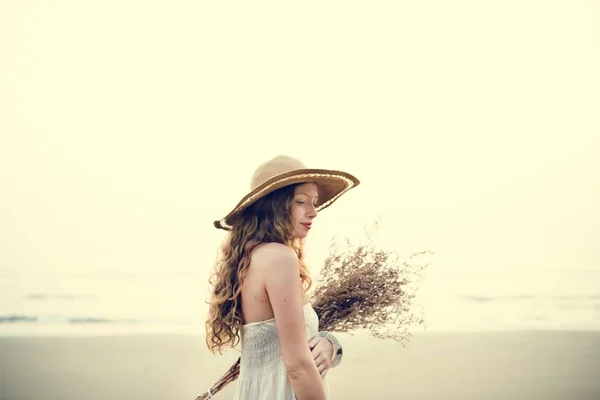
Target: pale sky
[128,127]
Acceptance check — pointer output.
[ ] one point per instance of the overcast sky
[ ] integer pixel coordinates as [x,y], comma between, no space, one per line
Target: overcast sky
[128,127]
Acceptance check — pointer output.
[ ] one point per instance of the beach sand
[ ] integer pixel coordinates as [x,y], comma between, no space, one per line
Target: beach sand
[500,365]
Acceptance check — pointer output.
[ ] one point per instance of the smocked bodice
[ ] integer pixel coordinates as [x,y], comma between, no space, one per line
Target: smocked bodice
[262,372]
[261,352]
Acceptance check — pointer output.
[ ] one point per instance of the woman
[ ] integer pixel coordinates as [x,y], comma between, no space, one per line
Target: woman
[260,285]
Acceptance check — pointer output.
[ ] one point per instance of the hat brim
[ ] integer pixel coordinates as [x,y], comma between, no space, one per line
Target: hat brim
[332,184]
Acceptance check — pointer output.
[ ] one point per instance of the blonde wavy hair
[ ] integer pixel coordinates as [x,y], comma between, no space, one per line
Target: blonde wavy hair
[265,221]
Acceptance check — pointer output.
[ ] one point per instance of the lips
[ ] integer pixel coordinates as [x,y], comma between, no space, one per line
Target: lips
[307,225]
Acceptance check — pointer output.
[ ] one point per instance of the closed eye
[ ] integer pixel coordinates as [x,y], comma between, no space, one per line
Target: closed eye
[303,202]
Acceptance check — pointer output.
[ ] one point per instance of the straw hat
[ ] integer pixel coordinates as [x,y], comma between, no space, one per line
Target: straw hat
[283,171]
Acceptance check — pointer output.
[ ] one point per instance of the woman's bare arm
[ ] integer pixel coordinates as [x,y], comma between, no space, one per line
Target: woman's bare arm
[283,285]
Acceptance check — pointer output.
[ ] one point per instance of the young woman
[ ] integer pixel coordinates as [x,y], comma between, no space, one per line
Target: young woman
[259,295]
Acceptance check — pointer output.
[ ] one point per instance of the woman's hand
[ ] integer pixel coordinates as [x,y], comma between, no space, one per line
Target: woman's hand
[322,352]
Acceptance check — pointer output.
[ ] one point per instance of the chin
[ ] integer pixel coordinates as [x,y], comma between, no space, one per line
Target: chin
[300,234]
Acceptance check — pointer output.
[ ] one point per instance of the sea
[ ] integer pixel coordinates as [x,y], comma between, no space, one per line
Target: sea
[175,302]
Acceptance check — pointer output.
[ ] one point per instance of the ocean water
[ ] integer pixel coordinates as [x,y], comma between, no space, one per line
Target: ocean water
[104,303]
[101,303]
[522,300]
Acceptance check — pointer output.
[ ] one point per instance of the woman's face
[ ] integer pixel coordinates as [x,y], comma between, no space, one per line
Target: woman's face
[303,208]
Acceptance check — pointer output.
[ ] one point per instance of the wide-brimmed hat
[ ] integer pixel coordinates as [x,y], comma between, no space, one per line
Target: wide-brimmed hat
[283,171]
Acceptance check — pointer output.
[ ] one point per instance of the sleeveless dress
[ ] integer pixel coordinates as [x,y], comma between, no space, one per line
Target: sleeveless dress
[262,372]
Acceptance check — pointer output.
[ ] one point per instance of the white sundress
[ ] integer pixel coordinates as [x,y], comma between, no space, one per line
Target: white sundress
[262,372]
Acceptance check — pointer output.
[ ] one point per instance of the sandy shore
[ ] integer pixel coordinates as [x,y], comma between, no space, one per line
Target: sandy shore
[511,365]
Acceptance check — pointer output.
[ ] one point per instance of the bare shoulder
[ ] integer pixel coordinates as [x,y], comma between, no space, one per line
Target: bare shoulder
[271,255]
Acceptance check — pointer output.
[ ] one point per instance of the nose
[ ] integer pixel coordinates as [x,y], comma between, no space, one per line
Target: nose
[312,212]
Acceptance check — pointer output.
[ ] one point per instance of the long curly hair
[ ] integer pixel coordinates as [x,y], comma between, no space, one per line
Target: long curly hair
[268,220]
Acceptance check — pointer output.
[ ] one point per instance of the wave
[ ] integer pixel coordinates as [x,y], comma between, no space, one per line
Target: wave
[485,299]
[46,296]
[562,298]
[17,318]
